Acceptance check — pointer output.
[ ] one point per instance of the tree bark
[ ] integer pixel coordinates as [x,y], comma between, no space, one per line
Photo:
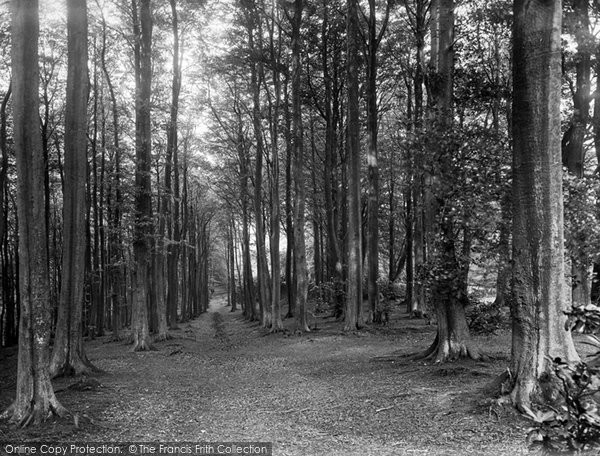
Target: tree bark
[301,270]
[352,317]
[538,288]
[68,356]
[290,275]
[143,224]
[3,163]
[35,399]
[276,321]
[114,203]
[418,16]
[256,73]
[374,39]
[573,149]
[7,319]
[334,256]
[449,288]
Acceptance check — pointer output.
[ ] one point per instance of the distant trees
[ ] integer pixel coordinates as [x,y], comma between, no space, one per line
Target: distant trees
[88,198]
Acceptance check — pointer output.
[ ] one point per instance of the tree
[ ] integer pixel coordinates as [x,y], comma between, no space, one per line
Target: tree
[538,288]
[417,15]
[68,356]
[373,42]
[172,206]
[352,317]
[253,24]
[449,290]
[143,192]
[300,266]
[35,399]
[274,109]
[573,147]
[114,200]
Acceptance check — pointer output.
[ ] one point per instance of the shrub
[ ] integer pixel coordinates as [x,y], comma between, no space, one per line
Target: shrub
[575,425]
[485,317]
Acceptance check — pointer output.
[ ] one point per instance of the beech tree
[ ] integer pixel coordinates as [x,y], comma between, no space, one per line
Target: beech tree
[35,399]
[68,355]
[573,140]
[538,286]
[300,267]
[353,318]
[373,42]
[143,192]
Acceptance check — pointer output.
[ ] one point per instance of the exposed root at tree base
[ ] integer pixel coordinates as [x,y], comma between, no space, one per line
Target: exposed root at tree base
[448,351]
[163,337]
[74,368]
[34,414]
[142,346]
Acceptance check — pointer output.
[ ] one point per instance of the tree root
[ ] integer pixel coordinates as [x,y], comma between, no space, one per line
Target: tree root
[74,368]
[163,337]
[142,345]
[34,413]
[449,351]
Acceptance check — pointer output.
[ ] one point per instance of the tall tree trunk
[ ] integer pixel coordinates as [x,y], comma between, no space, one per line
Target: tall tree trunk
[6,294]
[301,270]
[573,150]
[316,212]
[352,317]
[290,273]
[35,398]
[256,71]
[449,289]
[115,247]
[276,321]
[68,356]
[3,165]
[538,288]
[143,224]
[503,277]
[374,39]
[249,296]
[418,15]
[334,256]
[232,286]
[172,155]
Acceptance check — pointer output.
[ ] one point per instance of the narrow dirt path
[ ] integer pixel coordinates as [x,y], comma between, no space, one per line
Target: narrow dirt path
[223,379]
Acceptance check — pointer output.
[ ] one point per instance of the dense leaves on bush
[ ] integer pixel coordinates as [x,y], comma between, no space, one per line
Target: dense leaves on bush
[485,317]
[584,319]
[575,424]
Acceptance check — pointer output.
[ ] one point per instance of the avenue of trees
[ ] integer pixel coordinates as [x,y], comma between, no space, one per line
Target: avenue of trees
[354,153]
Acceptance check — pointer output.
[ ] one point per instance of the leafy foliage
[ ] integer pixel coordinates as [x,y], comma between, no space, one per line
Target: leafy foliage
[584,319]
[582,230]
[575,425]
[325,296]
[485,317]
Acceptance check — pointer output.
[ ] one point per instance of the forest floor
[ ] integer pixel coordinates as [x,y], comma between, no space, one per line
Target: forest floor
[324,393]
